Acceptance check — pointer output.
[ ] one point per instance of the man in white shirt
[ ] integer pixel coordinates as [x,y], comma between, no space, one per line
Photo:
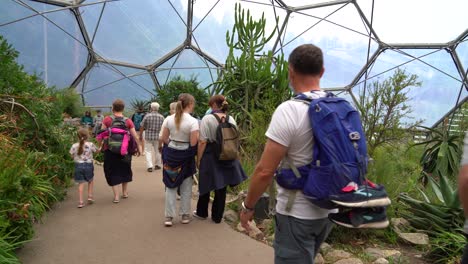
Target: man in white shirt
[300,230]
[463,187]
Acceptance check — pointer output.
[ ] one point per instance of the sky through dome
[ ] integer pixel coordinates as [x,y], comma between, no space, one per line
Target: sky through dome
[130,48]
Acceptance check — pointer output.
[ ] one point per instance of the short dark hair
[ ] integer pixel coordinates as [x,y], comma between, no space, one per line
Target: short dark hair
[306,59]
[118,105]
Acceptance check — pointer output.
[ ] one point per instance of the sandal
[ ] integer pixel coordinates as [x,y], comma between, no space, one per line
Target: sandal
[81,205]
[116,201]
[125,196]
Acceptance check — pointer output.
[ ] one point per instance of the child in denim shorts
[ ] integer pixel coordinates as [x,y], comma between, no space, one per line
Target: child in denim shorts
[82,153]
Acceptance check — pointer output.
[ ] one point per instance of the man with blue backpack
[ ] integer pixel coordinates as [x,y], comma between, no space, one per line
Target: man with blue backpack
[320,149]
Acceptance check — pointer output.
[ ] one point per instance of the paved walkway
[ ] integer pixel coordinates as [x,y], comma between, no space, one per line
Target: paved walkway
[133,231]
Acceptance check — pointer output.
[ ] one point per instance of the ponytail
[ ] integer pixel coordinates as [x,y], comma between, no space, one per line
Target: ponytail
[83,136]
[178,114]
[184,101]
[219,101]
[224,106]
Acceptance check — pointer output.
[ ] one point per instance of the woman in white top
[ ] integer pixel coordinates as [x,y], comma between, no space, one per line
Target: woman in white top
[180,136]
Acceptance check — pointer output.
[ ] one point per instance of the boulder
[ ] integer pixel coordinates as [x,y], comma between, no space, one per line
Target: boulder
[349,261]
[319,259]
[231,216]
[415,238]
[377,253]
[254,231]
[380,261]
[399,224]
[337,254]
[325,248]
[265,224]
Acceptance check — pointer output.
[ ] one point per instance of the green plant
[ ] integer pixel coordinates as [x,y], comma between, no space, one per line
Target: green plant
[442,152]
[170,92]
[447,247]
[254,82]
[7,255]
[35,167]
[442,213]
[140,104]
[383,106]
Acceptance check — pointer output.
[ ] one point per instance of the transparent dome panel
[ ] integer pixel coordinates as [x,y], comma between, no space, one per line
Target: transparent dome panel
[435,69]
[431,21]
[104,83]
[462,51]
[138,31]
[341,34]
[11,11]
[188,64]
[302,3]
[51,47]
[213,18]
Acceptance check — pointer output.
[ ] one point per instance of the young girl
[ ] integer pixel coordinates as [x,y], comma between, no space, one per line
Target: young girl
[82,153]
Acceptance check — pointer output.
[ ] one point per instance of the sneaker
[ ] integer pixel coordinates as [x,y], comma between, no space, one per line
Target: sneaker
[361,218]
[185,219]
[367,195]
[168,221]
[150,169]
[197,216]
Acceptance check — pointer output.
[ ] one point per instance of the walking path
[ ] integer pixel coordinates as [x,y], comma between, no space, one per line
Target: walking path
[133,231]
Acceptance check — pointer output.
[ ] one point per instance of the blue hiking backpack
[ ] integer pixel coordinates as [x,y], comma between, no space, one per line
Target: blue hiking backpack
[339,152]
[137,118]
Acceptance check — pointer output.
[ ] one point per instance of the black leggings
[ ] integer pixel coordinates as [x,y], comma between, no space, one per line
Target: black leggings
[217,209]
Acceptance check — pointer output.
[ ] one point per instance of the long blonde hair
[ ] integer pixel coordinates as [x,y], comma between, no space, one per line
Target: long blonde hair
[183,102]
[83,135]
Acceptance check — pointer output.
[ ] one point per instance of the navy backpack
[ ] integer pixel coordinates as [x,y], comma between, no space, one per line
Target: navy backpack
[339,152]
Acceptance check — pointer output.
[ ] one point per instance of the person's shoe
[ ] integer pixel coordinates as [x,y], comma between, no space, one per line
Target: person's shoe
[197,216]
[185,219]
[367,195]
[168,221]
[150,169]
[157,167]
[81,205]
[361,218]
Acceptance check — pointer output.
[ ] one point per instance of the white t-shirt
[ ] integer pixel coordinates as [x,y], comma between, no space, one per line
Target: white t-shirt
[180,139]
[290,127]
[87,156]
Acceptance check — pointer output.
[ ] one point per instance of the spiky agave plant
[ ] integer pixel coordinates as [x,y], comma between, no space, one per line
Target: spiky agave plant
[138,104]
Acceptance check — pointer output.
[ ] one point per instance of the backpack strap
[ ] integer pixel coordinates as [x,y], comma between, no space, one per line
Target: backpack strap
[292,193]
[220,119]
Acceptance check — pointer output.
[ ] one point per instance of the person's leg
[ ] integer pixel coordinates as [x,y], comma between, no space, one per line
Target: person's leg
[80,193]
[90,191]
[219,202]
[186,196]
[115,190]
[296,240]
[202,205]
[125,189]
[158,161]
[149,157]
[170,202]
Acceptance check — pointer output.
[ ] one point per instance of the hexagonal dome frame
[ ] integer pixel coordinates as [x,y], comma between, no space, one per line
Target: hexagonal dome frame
[94,58]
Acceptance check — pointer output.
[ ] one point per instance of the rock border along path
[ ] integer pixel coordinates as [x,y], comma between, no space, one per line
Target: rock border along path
[133,231]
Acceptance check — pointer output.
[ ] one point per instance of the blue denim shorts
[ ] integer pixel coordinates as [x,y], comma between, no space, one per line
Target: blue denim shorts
[84,172]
